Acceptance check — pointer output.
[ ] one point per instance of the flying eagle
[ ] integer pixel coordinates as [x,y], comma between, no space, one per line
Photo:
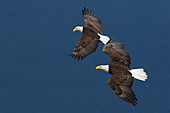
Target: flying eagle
[91,35]
[122,76]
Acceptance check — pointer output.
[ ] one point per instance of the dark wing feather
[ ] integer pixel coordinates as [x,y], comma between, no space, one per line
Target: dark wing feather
[121,80]
[92,20]
[87,44]
[117,52]
[121,83]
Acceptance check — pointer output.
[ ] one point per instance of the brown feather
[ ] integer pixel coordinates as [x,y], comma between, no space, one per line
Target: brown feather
[90,39]
[87,44]
[121,80]
[117,53]
[120,86]
[92,20]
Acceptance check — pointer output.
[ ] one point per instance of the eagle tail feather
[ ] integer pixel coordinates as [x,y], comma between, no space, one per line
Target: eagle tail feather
[104,39]
[139,74]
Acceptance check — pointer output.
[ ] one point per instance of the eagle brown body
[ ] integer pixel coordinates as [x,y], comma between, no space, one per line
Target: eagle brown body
[121,80]
[87,44]
[90,39]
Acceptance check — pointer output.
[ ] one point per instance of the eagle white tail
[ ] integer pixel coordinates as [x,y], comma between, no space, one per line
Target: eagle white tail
[104,39]
[139,74]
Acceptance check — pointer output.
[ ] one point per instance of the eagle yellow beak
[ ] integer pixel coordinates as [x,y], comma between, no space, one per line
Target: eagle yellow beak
[98,67]
[74,29]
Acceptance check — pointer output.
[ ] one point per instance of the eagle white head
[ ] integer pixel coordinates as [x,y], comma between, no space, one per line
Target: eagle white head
[78,28]
[103,68]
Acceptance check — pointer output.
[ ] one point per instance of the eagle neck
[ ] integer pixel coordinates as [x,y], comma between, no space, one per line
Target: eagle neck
[110,70]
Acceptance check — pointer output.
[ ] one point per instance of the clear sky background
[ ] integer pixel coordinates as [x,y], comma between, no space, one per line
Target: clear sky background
[37,76]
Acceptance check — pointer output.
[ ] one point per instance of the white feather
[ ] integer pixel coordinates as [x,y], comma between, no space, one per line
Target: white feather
[79,28]
[104,39]
[139,74]
[105,68]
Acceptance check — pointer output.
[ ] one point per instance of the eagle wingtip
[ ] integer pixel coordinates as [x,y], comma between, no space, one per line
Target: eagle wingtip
[76,57]
[86,11]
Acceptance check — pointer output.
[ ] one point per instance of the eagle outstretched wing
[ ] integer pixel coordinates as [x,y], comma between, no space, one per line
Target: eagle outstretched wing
[92,20]
[121,80]
[87,45]
[117,52]
[121,83]
[90,39]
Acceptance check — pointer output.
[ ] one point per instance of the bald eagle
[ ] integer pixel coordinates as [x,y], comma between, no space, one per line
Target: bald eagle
[122,76]
[91,35]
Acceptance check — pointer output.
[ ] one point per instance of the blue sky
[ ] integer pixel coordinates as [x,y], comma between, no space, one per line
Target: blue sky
[37,76]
